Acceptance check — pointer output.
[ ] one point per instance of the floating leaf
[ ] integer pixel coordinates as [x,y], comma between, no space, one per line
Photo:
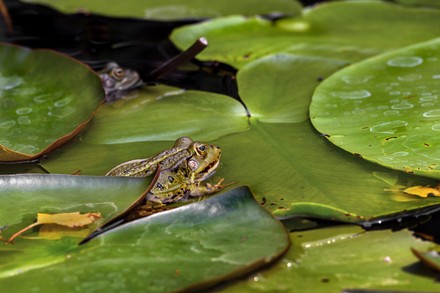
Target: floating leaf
[176,9]
[386,109]
[191,247]
[333,260]
[339,30]
[139,122]
[279,154]
[42,105]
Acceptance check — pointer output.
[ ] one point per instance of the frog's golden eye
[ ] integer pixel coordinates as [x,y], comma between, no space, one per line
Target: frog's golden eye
[118,73]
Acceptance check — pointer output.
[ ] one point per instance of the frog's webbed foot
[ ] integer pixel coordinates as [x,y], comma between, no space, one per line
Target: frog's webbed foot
[216,187]
[207,189]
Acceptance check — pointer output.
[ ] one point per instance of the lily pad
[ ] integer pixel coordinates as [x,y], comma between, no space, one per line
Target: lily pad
[194,246]
[333,259]
[340,30]
[23,196]
[42,105]
[279,155]
[176,9]
[153,115]
[386,109]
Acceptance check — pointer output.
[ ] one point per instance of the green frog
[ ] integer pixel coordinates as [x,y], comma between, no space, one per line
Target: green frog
[116,80]
[182,169]
[180,172]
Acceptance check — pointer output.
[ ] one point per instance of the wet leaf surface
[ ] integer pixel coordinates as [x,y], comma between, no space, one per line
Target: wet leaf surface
[333,259]
[386,109]
[338,30]
[269,154]
[196,245]
[41,106]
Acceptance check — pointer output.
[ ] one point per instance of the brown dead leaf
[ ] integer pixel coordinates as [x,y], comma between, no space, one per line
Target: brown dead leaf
[71,220]
[423,191]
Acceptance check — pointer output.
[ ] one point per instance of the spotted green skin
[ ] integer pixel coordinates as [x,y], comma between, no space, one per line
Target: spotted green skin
[186,179]
[145,167]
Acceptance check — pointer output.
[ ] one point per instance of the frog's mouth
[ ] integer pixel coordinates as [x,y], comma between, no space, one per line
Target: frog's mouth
[210,169]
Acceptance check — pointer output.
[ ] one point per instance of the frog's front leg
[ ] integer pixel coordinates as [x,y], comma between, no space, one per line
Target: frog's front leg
[198,190]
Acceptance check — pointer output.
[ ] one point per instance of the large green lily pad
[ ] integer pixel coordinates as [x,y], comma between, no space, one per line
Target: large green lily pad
[193,246]
[176,9]
[330,260]
[42,104]
[339,30]
[280,156]
[152,116]
[386,109]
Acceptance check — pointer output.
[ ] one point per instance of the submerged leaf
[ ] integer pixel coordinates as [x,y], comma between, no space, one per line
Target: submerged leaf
[71,220]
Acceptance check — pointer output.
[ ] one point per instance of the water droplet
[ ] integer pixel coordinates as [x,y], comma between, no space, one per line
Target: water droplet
[389,127]
[405,61]
[429,98]
[349,79]
[42,98]
[394,93]
[427,105]
[401,106]
[385,159]
[391,113]
[23,111]
[394,101]
[436,76]
[361,94]
[410,77]
[436,127]
[358,112]
[432,113]
[7,124]
[400,154]
[63,102]
[12,82]
[382,107]
[26,149]
[33,137]
[24,120]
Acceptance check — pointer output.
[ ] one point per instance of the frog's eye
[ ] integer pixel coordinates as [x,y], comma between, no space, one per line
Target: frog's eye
[118,73]
[193,164]
[201,149]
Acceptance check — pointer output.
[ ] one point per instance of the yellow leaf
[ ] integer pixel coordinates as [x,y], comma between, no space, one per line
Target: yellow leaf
[55,231]
[71,220]
[422,191]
